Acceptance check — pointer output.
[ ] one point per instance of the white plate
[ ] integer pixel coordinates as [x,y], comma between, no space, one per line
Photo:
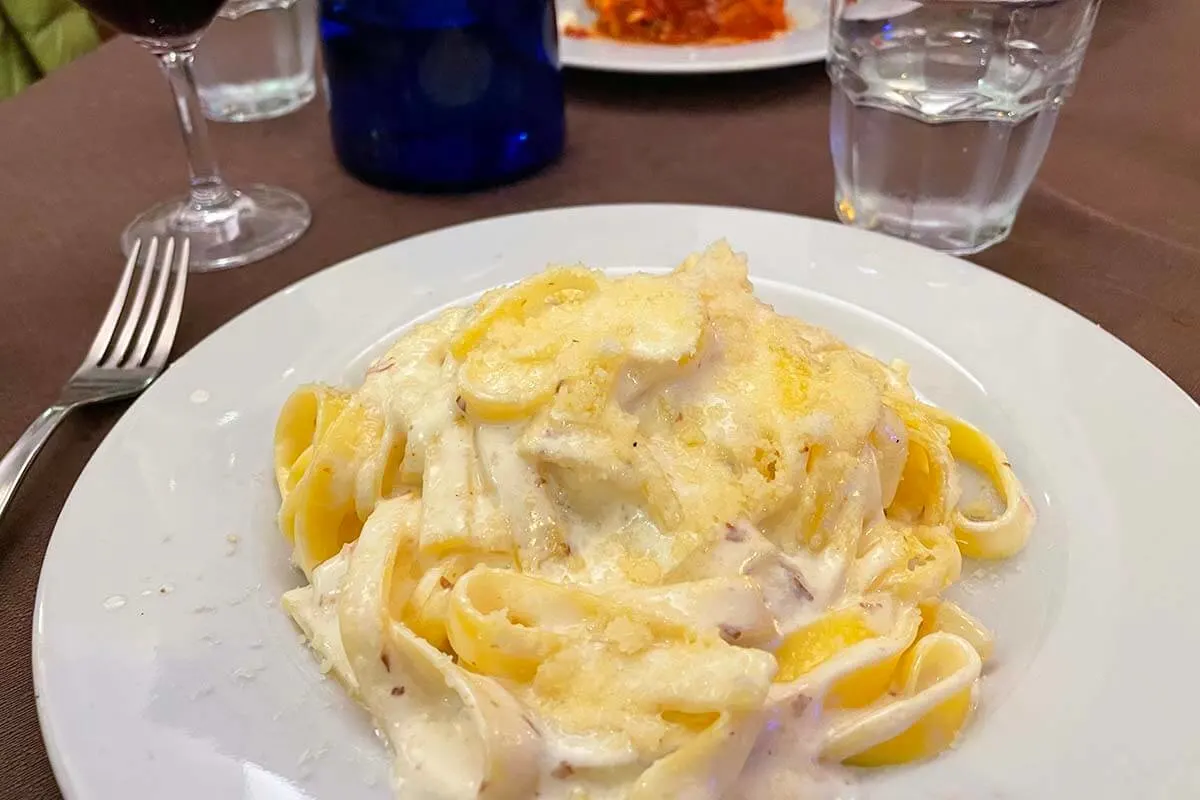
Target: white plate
[806,43]
[165,667]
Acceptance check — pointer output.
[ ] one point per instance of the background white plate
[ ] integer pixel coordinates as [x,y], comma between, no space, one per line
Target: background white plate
[165,667]
[806,43]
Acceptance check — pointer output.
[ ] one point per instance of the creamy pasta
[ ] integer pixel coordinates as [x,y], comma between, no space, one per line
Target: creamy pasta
[639,537]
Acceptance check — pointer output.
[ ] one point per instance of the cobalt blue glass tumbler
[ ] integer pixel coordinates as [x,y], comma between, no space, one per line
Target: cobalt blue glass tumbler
[443,95]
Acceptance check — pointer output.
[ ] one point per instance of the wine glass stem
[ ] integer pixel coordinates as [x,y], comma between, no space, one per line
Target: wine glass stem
[208,190]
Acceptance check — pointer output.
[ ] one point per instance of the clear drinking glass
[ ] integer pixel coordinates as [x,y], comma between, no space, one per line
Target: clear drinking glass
[226,227]
[256,59]
[943,109]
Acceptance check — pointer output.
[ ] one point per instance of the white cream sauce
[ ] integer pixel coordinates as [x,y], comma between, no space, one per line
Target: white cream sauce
[782,763]
[980,498]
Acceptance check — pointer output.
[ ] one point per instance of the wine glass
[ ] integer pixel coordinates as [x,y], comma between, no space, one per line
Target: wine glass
[227,227]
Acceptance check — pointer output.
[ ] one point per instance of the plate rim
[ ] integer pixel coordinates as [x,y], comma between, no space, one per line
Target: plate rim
[54,751]
[572,59]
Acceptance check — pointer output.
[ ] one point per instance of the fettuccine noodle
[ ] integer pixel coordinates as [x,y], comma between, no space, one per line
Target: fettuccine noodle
[639,537]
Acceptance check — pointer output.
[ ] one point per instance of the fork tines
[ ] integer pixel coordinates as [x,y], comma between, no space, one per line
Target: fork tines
[126,339]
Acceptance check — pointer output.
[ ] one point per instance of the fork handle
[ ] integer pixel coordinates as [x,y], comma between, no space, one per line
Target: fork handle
[16,461]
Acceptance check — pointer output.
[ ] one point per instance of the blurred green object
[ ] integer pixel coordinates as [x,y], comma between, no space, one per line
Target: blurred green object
[37,37]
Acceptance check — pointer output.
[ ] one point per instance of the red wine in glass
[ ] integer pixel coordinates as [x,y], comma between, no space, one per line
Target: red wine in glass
[156,19]
[226,227]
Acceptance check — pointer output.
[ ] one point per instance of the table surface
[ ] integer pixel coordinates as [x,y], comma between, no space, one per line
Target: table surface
[1110,228]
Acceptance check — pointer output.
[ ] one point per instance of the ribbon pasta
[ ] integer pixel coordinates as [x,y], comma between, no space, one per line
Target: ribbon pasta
[601,537]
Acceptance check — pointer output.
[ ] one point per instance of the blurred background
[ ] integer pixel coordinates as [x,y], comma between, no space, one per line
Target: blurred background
[39,36]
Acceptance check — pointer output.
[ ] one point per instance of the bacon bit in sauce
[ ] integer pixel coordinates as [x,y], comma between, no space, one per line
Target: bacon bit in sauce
[445,583]
[799,588]
[387,662]
[397,691]
[563,771]
[685,21]
[729,633]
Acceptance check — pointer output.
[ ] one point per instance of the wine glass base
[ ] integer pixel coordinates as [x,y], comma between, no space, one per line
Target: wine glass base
[254,223]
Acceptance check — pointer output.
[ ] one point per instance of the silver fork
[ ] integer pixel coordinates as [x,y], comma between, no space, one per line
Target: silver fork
[126,355]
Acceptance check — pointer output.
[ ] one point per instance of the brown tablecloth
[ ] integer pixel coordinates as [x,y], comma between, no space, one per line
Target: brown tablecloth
[1111,228]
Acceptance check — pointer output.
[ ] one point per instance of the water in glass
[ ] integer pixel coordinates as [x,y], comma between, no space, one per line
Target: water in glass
[256,61]
[942,110]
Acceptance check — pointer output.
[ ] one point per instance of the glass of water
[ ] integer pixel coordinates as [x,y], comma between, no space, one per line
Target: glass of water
[256,60]
[943,109]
